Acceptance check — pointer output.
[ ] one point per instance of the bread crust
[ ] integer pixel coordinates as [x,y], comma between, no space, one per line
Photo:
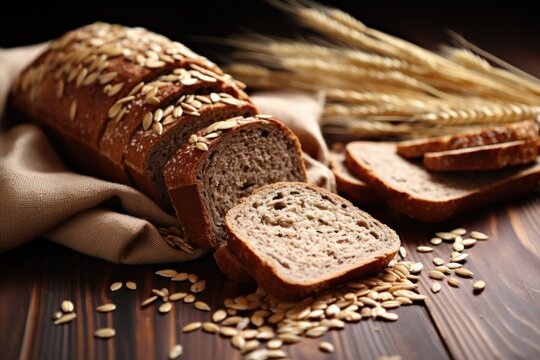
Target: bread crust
[433,211]
[230,266]
[349,186]
[185,190]
[521,130]
[265,274]
[487,157]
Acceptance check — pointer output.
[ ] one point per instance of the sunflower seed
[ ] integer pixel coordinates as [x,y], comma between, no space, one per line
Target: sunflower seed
[453,282]
[180,277]
[57,315]
[457,246]
[263,116]
[215,97]
[210,327]
[189,298]
[416,268]
[402,252]
[136,89]
[468,242]
[191,327]
[453,265]
[228,331]
[148,301]
[147,120]
[105,333]
[389,316]
[131,285]
[198,287]
[289,338]
[106,308]
[175,352]
[168,120]
[201,305]
[238,341]
[159,293]
[479,286]
[250,346]
[424,249]
[67,306]
[115,89]
[391,304]
[116,286]
[219,315]
[158,115]
[446,235]
[107,78]
[201,146]
[459,258]
[154,64]
[158,128]
[177,296]
[249,334]
[165,308]
[478,235]
[435,287]
[435,241]
[443,269]
[73,110]
[233,320]
[125,99]
[437,275]
[65,318]
[332,310]
[188,81]
[326,347]
[402,300]
[438,261]
[193,278]
[464,272]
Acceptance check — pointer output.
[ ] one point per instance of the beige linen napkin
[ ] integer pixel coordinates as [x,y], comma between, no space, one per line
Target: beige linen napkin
[41,197]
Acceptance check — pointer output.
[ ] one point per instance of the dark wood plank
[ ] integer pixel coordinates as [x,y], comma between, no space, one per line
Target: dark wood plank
[48,274]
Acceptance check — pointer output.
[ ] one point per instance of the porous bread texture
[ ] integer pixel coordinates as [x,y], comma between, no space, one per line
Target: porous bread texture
[256,155]
[430,196]
[295,238]
[486,157]
[511,132]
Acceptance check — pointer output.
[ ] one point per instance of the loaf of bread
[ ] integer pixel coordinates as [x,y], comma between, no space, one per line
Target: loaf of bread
[486,157]
[523,130]
[223,163]
[431,196]
[118,101]
[296,238]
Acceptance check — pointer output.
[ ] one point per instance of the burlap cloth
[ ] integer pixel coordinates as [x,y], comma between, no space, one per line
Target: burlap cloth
[41,197]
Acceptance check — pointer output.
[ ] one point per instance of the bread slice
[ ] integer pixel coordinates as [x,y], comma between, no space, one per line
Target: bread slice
[230,265]
[348,185]
[522,130]
[223,163]
[486,157]
[296,238]
[431,196]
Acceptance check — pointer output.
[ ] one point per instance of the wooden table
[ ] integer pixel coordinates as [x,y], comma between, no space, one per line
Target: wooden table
[500,323]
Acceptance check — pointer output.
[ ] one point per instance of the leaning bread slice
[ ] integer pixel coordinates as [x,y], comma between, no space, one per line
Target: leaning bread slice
[487,157]
[349,185]
[522,130]
[223,163]
[296,238]
[230,265]
[431,196]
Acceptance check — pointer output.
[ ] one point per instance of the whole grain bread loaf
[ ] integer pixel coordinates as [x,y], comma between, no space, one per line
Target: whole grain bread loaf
[223,163]
[430,196]
[118,101]
[522,130]
[296,238]
[486,157]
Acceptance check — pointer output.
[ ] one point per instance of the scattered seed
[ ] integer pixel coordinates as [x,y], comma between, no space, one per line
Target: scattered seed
[317,331]
[274,344]
[67,306]
[198,287]
[189,298]
[106,308]
[438,261]
[191,327]
[176,351]
[116,286]
[478,235]
[416,268]
[453,282]
[159,293]
[201,146]
[180,277]
[435,241]
[238,341]
[131,285]
[57,315]
[228,331]
[388,316]
[437,275]
[459,258]
[468,242]
[105,333]
[435,287]
[289,338]
[219,315]
[250,346]
[479,286]
[73,110]
[457,246]
[453,265]
[177,296]
[149,301]
[402,252]
[193,278]
[443,269]
[464,272]
[424,249]
[391,304]
[446,235]
[210,327]
[165,308]
[201,305]
[459,231]
[65,318]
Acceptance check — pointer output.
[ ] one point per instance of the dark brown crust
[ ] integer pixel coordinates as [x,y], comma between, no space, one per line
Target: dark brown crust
[185,190]
[230,266]
[434,211]
[487,157]
[511,132]
[348,185]
[265,274]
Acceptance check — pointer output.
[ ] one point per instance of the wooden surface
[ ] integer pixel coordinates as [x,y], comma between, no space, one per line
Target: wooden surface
[501,323]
